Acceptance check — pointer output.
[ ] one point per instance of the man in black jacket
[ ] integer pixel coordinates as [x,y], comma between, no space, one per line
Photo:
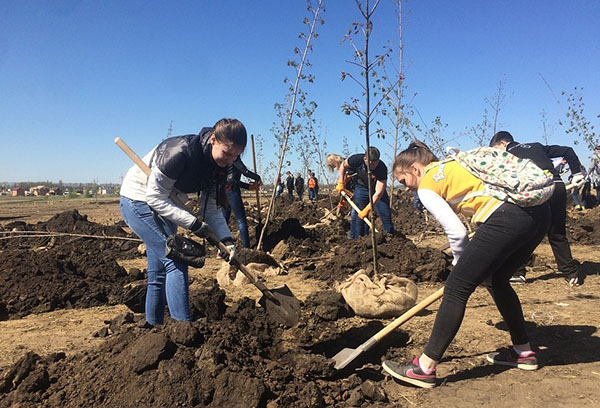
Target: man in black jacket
[289,183]
[541,155]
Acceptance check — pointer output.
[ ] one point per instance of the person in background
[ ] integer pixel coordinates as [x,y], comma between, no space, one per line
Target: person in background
[181,164]
[278,186]
[313,186]
[299,185]
[504,239]
[356,167]
[581,192]
[289,183]
[234,196]
[541,155]
[594,172]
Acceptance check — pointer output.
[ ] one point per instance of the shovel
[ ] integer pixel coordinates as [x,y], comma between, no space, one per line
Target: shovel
[280,303]
[347,198]
[347,355]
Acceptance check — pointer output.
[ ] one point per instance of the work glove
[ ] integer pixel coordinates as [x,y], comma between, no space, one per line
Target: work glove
[253,186]
[577,180]
[200,229]
[364,212]
[227,257]
[339,186]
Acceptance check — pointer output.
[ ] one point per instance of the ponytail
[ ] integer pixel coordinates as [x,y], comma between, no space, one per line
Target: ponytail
[416,152]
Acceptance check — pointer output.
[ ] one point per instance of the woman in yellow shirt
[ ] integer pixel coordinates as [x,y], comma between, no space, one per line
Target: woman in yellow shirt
[505,238]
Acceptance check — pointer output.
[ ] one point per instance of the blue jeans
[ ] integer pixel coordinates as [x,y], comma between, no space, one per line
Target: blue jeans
[358,227]
[237,206]
[167,280]
[312,194]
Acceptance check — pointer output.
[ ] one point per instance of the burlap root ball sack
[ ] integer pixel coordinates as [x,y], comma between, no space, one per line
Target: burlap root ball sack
[226,273]
[387,295]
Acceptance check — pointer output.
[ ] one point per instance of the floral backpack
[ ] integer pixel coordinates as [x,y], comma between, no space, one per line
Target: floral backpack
[506,176]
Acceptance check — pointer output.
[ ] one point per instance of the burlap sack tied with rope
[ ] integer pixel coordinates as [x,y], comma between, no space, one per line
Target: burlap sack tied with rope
[387,295]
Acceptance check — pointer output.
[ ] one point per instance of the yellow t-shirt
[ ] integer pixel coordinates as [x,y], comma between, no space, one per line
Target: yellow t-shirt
[461,190]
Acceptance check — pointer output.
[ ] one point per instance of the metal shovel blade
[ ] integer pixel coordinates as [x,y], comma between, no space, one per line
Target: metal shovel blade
[283,307]
[347,355]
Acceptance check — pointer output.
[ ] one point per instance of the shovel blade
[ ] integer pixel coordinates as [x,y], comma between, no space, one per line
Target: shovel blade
[283,308]
[345,357]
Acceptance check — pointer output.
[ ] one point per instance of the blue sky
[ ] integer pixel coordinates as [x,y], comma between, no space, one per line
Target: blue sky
[76,74]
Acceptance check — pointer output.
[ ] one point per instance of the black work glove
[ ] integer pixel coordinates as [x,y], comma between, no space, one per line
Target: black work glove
[200,229]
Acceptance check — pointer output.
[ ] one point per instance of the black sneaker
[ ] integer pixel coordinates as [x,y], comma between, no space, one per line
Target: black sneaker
[518,279]
[410,373]
[509,357]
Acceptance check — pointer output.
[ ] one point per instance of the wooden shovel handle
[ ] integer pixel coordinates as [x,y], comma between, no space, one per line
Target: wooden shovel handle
[347,198]
[409,314]
[144,167]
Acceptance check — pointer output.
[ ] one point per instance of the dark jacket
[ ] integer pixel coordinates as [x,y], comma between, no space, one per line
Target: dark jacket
[541,155]
[299,183]
[289,183]
[235,173]
[188,159]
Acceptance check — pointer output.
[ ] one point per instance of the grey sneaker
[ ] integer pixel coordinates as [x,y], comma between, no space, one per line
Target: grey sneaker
[410,372]
[509,357]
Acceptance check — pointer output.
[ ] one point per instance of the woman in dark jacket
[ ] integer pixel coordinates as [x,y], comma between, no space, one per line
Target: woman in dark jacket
[181,165]
[234,196]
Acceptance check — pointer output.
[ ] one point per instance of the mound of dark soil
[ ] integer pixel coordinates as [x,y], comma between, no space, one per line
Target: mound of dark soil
[45,274]
[585,227]
[407,219]
[396,255]
[236,359]
[73,222]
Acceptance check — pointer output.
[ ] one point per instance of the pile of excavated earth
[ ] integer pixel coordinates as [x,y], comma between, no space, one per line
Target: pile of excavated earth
[231,354]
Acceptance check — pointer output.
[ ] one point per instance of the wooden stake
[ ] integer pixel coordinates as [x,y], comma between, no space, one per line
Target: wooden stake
[257,194]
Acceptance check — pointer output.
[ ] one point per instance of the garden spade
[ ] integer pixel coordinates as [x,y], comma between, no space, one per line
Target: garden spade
[347,355]
[280,303]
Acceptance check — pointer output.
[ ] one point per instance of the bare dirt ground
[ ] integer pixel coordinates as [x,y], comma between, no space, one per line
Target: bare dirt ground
[233,358]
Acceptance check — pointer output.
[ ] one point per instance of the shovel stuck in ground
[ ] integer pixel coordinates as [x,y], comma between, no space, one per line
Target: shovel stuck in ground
[347,355]
[280,303]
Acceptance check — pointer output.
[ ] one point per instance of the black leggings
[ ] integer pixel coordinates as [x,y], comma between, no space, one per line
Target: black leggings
[499,247]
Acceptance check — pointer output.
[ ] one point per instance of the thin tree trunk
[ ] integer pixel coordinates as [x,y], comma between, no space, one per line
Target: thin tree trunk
[290,118]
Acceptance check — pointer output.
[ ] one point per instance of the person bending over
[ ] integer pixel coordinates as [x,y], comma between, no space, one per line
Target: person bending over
[186,164]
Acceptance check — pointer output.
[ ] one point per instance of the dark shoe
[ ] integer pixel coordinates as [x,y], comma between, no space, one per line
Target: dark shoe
[574,282]
[518,279]
[509,357]
[410,373]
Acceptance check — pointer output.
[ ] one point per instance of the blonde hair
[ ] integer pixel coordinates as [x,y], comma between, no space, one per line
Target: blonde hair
[416,152]
[334,161]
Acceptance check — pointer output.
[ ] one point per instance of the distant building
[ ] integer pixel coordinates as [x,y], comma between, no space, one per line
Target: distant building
[39,190]
[18,191]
